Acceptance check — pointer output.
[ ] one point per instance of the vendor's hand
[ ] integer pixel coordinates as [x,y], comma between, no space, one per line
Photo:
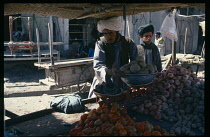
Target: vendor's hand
[115,72]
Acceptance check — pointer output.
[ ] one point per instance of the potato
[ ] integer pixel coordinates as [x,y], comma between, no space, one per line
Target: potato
[140,58]
[142,64]
[151,68]
[133,62]
[134,68]
[155,67]
[143,71]
[127,72]
[125,67]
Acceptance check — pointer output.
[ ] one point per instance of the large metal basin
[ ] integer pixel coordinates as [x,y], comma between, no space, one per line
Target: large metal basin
[138,79]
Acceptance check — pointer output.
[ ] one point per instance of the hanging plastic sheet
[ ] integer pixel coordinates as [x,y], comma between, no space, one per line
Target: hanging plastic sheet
[202,24]
[168,27]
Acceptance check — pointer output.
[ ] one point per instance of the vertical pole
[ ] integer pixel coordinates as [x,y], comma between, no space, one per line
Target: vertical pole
[29,29]
[173,52]
[185,41]
[10,27]
[129,35]
[38,46]
[124,18]
[50,45]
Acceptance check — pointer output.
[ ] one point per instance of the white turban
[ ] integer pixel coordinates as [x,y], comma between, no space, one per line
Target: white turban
[110,24]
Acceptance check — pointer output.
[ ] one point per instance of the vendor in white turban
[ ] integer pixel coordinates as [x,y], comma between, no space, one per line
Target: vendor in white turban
[112,24]
[111,52]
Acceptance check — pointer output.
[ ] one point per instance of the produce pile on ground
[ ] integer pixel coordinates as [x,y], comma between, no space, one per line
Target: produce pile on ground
[113,120]
[176,95]
[138,66]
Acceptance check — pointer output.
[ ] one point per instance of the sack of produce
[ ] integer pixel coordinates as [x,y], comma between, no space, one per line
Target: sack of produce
[70,103]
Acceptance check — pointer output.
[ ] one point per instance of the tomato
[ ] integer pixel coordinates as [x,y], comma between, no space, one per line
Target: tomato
[130,122]
[113,110]
[80,124]
[104,117]
[106,110]
[115,133]
[157,128]
[148,127]
[99,110]
[80,134]
[98,122]
[122,121]
[95,134]
[123,111]
[155,133]
[139,126]
[113,118]
[92,130]
[87,131]
[109,131]
[162,130]
[117,113]
[92,116]
[133,134]
[98,129]
[87,121]
[83,117]
[74,132]
[92,111]
[123,132]
[130,129]
[105,106]
[115,105]
[118,127]
[147,133]
[91,124]
[103,130]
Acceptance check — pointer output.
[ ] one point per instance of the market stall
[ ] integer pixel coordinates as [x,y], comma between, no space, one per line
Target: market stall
[170,103]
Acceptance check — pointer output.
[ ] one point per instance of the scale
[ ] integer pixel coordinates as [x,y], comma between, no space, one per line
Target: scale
[138,90]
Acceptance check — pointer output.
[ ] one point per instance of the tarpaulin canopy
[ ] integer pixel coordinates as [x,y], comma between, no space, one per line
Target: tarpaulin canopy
[96,10]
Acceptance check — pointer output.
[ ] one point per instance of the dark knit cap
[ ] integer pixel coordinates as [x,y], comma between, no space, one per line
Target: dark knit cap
[158,32]
[145,28]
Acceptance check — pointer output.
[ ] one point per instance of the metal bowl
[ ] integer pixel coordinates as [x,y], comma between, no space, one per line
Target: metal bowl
[100,95]
[137,80]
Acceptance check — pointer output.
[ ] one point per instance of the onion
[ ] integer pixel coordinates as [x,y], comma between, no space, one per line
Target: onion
[171,81]
[166,85]
[177,82]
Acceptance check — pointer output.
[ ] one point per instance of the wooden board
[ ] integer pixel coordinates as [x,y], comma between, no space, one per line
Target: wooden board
[64,63]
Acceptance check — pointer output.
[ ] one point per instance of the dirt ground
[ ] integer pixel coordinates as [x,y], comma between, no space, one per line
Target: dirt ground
[24,94]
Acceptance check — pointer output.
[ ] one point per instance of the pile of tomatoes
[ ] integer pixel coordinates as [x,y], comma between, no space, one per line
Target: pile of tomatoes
[113,120]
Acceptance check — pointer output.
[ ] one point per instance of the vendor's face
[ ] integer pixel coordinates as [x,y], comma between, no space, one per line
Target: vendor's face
[147,37]
[109,35]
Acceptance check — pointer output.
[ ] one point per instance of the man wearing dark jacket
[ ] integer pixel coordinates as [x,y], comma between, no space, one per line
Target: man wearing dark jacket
[147,48]
[111,52]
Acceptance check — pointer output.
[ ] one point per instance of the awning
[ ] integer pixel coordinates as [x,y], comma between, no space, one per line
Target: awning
[96,10]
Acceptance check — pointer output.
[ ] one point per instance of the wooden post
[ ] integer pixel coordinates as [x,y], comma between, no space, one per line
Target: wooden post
[185,41]
[29,29]
[124,18]
[10,27]
[173,52]
[50,45]
[38,46]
